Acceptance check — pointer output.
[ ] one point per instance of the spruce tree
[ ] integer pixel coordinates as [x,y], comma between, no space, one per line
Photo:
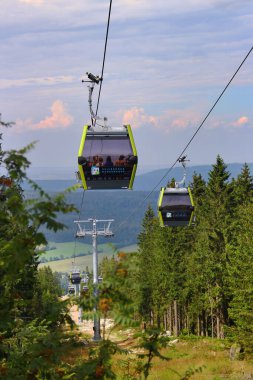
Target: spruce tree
[241,279]
[243,186]
[219,213]
[147,250]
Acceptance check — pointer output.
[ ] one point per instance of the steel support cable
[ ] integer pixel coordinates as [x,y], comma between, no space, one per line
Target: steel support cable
[191,139]
[103,64]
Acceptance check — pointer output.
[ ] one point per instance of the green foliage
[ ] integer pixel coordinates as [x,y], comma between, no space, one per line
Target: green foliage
[32,352]
[151,341]
[198,280]
[99,363]
[190,281]
[30,311]
[241,280]
[116,294]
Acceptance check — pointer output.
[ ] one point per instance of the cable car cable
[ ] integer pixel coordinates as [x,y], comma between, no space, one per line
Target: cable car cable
[191,139]
[103,64]
[100,86]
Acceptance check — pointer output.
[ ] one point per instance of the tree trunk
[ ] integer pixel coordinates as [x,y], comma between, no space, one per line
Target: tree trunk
[165,321]
[218,325]
[170,318]
[175,329]
[198,326]
[151,318]
[158,319]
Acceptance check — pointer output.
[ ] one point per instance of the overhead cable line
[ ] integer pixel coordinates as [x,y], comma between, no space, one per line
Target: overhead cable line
[103,64]
[101,78]
[191,139]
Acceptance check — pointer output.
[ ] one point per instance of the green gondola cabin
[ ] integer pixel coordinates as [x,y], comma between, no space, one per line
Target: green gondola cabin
[107,158]
[175,207]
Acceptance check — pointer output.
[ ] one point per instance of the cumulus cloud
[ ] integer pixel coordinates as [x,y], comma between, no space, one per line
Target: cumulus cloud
[225,123]
[169,120]
[137,117]
[241,122]
[59,118]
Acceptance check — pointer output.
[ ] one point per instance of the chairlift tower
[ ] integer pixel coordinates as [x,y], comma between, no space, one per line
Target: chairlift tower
[99,228]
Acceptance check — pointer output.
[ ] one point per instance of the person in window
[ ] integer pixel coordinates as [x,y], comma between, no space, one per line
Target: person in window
[100,162]
[95,161]
[121,161]
[108,163]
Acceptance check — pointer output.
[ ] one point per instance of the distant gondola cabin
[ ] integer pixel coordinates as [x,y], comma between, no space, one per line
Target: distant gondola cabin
[71,289]
[107,158]
[75,277]
[175,207]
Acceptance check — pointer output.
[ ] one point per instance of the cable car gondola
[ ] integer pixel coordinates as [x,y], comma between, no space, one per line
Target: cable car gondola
[75,277]
[107,158]
[175,205]
[71,290]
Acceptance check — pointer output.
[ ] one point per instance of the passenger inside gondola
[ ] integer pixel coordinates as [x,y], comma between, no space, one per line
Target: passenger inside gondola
[113,160]
[100,161]
[95,161]
[108,162]
[121,161]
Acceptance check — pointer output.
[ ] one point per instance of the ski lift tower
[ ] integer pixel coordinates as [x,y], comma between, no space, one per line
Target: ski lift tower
[99,228]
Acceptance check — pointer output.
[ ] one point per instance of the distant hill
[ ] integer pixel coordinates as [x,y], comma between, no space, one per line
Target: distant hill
[127,208]
[149,181]
[144,182]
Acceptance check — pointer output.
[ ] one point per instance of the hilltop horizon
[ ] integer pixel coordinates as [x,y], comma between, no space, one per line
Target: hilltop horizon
[58,180]
[68,173]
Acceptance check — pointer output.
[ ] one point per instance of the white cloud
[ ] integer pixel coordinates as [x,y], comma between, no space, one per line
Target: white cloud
[176,120]
[241,122]
[168,121]
[33,81]
[58,119]
[226,124]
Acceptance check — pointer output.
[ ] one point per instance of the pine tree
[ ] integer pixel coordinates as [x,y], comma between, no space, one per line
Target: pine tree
[241,279]
[147,250]
[243,186]
[218,212]
[24,337]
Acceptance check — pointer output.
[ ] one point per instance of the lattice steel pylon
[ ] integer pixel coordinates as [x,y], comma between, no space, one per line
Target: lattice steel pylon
[83,230]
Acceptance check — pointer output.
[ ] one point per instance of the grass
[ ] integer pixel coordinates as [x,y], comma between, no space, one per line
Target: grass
[198,358]
[129,248]
[66,251]
[212,364]
[81,262]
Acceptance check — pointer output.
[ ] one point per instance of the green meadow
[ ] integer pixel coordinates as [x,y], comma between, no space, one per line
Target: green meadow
[64,255]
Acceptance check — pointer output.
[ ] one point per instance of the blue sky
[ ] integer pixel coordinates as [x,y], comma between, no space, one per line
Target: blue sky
[167,61]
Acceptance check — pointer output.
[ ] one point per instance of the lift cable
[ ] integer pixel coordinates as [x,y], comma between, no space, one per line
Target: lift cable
[103,64]
[190,141]
[100,87]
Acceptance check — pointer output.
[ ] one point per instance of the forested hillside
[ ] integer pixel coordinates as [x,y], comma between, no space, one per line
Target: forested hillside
[127,208]
[200,280]
[107,205]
